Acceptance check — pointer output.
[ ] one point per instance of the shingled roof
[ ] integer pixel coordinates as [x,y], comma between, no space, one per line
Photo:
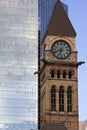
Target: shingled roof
[54,126]
[59,23]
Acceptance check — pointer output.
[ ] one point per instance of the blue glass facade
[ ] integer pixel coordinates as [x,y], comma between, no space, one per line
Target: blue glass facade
[18,62]
[45,11]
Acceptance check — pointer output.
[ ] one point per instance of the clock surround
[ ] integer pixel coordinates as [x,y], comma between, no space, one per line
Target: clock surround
[61,49]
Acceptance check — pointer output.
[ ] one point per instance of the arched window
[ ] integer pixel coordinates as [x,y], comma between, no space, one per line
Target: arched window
[70,74]
[52,74]
[64,74]
[69,99]
[61,99]
[53,98]
[58,74]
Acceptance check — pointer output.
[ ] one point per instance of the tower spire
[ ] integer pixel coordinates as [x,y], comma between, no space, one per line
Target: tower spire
[57,1]
[59,23]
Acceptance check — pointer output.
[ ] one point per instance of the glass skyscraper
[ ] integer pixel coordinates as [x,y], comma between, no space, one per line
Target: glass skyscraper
[45,11]
[18,62]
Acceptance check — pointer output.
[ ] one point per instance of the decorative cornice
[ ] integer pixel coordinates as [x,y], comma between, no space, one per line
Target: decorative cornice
[62,63]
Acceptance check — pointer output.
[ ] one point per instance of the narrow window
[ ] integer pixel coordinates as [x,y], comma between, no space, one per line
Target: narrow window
[58,74]
[52,74]
[64,74]
[61,99]
[44,51]
[53,98]
[70,74]
[69,99]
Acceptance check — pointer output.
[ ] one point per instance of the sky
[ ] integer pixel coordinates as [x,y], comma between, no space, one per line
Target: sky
[77,12]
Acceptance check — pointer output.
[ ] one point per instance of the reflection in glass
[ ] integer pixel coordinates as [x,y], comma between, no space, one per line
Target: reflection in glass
[18,62]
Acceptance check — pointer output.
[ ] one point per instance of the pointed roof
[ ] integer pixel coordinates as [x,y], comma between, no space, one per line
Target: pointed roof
[59,23]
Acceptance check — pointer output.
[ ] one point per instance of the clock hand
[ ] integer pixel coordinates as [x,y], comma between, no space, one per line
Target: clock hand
[55,50]
[60,50]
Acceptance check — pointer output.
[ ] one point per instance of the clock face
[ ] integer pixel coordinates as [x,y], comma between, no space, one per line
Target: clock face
[61,49]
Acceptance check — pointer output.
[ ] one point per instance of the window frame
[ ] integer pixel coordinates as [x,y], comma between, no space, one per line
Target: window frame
[61,99]
[53,98]
[69,99]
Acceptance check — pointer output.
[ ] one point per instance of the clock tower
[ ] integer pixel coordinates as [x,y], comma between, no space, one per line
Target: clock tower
[59,74]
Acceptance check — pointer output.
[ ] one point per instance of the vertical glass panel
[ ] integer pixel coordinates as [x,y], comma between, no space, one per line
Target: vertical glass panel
[45,12]
[18,62]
